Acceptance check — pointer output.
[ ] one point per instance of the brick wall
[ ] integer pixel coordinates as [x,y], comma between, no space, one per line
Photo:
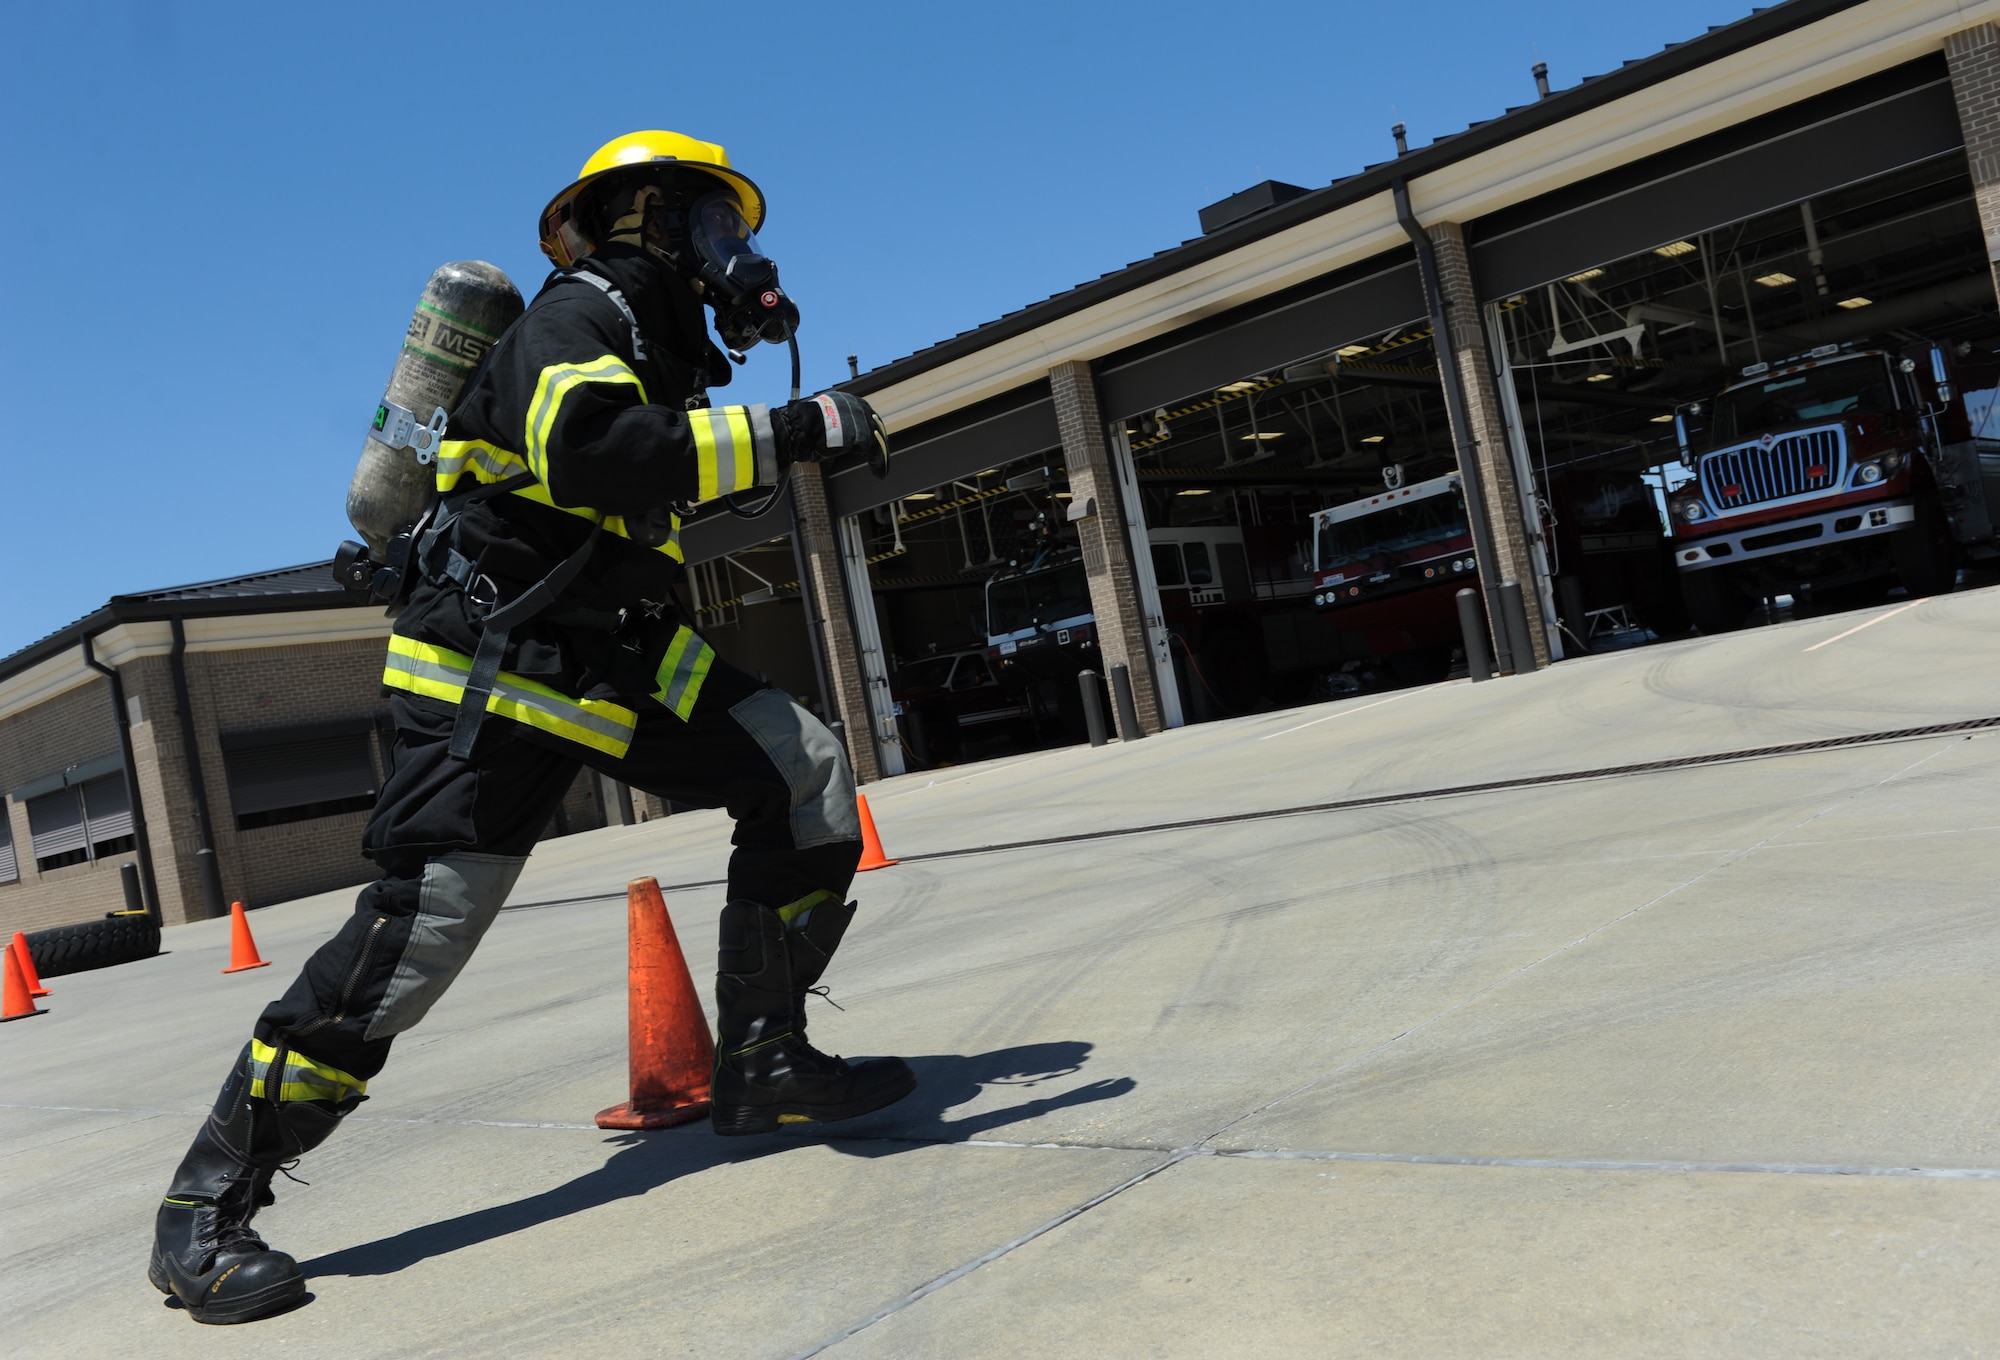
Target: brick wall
[1107,554]
[1973,56]
[67,730]
[1489,427]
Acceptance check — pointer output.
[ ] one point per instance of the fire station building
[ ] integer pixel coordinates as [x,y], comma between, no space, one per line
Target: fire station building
[1127,474]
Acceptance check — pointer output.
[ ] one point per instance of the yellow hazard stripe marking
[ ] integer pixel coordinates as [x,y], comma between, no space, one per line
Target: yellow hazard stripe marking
[489,463]
[440,673]
[555,383]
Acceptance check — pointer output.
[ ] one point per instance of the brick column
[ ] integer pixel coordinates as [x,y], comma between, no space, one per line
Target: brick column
[1504,511]
[1973,56]
[1107,554]
[821,551]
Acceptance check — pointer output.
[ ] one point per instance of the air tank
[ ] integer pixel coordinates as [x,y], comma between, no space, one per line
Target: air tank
[465,308]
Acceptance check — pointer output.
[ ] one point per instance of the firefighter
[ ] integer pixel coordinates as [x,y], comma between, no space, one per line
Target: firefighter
[540,635]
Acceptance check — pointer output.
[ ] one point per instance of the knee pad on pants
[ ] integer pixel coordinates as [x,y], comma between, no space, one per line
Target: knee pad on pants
[813,766]
[458,898]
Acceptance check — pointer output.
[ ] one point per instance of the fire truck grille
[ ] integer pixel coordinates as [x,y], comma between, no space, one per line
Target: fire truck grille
[1792,466]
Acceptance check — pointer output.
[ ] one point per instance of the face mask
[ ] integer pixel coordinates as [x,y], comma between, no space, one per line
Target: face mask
[738,279]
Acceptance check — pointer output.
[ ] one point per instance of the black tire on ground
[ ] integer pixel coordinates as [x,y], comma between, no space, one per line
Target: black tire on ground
[1714,604]
[93,944]
[1922,552]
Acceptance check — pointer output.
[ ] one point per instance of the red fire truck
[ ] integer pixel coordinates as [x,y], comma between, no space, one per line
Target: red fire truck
[1833,469]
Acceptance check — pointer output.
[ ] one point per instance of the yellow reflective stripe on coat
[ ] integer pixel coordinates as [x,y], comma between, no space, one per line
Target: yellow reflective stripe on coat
[725,451]
[302,1079]
[682,672]
[486,462]
[489,463]
[440,673]
[556,382]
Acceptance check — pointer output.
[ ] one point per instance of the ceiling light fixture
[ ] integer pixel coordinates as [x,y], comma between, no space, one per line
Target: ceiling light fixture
[1667,419]
[1777,278]
[1193,491]
[1598,377]
[1247,385]
[1850,304]
[1676,249]
[1586,276]
[1373,438]
[1349,351]
[1262,434]
[921,496]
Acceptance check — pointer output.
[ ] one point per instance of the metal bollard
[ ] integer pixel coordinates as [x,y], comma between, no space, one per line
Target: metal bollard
[129,873]
[1518,638]
[212,900]
[1128,712]
[1093,705]
[1478,664]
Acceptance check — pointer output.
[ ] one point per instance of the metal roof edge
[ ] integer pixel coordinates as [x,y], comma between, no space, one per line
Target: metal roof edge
[1760,26]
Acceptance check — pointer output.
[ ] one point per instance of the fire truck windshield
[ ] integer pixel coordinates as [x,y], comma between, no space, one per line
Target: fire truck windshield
[1044,597]
[1394,534]
[1861,383]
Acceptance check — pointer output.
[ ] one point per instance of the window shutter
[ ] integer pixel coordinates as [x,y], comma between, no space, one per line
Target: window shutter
[10,869]
[306,771]
[56,822]
[107,809]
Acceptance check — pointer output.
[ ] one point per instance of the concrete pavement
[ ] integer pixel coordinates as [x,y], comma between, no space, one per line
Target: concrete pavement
[1695,1061]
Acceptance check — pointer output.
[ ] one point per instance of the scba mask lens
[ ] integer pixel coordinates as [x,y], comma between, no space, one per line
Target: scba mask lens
[741,279]
[723,239]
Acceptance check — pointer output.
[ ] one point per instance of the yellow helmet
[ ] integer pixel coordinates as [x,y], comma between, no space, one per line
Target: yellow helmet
[563,237]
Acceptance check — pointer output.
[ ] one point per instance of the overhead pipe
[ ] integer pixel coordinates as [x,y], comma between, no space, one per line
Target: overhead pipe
[123,718]
[1462,437]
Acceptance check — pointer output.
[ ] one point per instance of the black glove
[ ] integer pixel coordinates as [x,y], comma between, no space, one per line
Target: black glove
[831,422]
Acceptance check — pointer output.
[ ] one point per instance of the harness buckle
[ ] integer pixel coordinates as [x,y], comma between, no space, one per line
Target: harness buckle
[397,427]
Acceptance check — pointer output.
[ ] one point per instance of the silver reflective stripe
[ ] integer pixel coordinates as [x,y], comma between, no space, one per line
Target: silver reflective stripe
[812,764]
[725,450]
[505,689]
[488,461]
[459,897]
[767,445]
[693,654]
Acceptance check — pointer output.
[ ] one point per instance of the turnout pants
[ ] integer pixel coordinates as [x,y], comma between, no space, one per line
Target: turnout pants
[452,835]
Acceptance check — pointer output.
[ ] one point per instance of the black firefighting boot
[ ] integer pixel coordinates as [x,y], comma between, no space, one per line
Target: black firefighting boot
[766,1074]
[204,1252]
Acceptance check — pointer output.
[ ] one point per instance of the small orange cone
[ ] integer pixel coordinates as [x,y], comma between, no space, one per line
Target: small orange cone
[242,949]
[20,947]
[15,1003]
[871,844]
[672,1055]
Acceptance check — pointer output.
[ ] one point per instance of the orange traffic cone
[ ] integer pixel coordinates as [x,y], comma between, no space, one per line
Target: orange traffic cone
[20,947]
[15,1003]
[672,1055]
[242,949]
[871,844]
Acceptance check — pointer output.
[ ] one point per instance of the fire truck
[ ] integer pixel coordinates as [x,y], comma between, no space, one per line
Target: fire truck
[1833,469]
[1389,565]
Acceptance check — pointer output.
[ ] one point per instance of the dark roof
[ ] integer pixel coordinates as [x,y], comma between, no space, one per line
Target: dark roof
[1592,92]
[308,586]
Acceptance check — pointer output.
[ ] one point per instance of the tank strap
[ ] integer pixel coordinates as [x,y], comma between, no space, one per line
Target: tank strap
[610,290]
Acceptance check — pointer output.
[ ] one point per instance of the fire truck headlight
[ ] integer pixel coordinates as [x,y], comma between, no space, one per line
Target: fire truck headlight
[1320,598]
[1693,511]
[1868,474]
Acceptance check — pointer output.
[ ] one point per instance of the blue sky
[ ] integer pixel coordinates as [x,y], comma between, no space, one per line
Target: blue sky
[221,215]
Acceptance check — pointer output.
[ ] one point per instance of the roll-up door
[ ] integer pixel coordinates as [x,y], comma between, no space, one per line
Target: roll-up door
[1897,118]
[293,774]
[10,869]
[999,430]
[1366,299]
